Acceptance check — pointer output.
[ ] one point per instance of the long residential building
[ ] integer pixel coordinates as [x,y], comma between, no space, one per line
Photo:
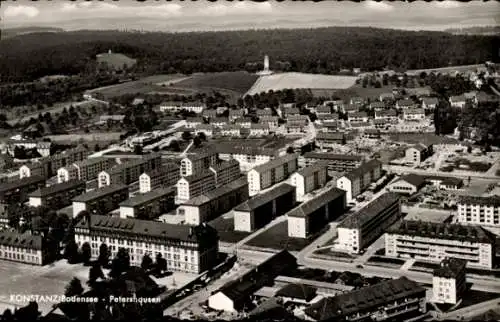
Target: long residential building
[357,180]
[248,156]
[129,171]
[17,191]
[226,172]
[264,176]
[85,170]
[261,209]
[194,186]
[198,163]
[214,203]
[185,248]
[313,215]
[48,166]
[57,196]
[362,228]
[165,176]
[25,248]
[479,210]
[336,162]
[436,241]
[149,205]
[309,179]
[390,300]
[100,201]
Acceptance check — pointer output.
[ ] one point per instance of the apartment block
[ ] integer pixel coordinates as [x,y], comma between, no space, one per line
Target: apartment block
[57,196]
[264,176]
[198,163]
[449,281]
[100,201]
[194,185]
[435,242]
[165,176]
[226,172]
[85,170]
[309,179]
[357,180]
[17,191]
[364,227]
[479,210]
[336,162]
[185,248]
[247,156]
[129,171]
[149,205]
[24,248]
[419,152]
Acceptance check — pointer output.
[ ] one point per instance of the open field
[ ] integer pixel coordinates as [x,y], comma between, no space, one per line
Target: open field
[116,61]
[300,80]
[104,137]
[239,82]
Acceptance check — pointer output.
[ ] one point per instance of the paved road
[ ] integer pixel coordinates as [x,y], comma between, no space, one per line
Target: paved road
[463,175]
[471,311]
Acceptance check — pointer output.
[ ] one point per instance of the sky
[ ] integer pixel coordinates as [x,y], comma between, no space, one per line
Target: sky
[175,16]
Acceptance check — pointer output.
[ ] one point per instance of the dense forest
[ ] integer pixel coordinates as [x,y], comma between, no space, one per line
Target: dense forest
[322,50]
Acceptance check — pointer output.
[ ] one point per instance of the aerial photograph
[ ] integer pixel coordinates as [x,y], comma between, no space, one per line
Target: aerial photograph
[288,161]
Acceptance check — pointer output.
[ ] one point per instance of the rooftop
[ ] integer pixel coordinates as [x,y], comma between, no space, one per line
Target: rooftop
[150,228]
[317,202]
[6,186]
[250,150]
[414,111]
[332,156]
[142,198]
[313,168]
[276,162]
[364,168]
[358,219]
[218,192]
[264,198]
[457,98]
[377,104]
[413,179]
[492,201]
[225,165]
[10,238]
[364,299]
[132,163]
[166,167]
[450,268]
[101,192]
[474,234]
[297,291]
[430,100]
[56,188]
[337,136]
[199,176]
[405,102]
[91,161]
[385,113]
[201,154]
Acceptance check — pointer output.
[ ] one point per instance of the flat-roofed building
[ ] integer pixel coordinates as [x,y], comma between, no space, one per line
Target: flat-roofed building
[445,183]
[435,242]
[164,176]
[357,180]
[264,176]
[383,301]
[85,170]
[100,201]
[149,205]
[214,203]
[449,281]
[314,214]
[309,179]
[336,162]
[129,171]
[362,228]
[259,210]
[198,163]
[226,171]
[25,248]
[185,248]
[17,191]
[194,185]
[57,196]
[479,210]
[419,152]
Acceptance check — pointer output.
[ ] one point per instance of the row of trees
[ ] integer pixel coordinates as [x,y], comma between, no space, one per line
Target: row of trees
[322,50]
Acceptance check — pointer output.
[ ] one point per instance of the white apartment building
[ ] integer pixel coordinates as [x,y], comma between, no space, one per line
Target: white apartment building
[357,180]
[186,249]
[198,163]
[449,281]
[309,179]
[129,171]
[264,176]
[435,242]
[165,176]
[479,210]
[194,185]
[362,228]
[226,172]
[85,170]
[247,156]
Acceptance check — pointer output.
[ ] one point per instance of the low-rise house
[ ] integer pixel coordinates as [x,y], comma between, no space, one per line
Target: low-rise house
[386,115]
[193,122]
[356,100]
[259,130]
[233,130]
[290,111]
[57,196]
[458,101]
[264,112]
[207,129]
[149,205]
[329,126]
[359,117]
[243,122]
[445,183]
[350,108]
[332,117]
[429,103]
[209,114]
[219,122]
[270,121]
[405,103]
[377,106]
[195,107]
[236,114]
[323,110]
[407,184]
[330,140]
[259,210]
[419,152]
[386,96]
[414,114]
[297,294]
[118,118]
[372,133]
[25,248]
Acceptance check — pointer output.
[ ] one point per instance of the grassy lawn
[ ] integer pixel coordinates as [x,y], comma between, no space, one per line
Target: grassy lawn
[239,82]
[225,228]
[332,253]
[385,260]
[276,237]
[414,138]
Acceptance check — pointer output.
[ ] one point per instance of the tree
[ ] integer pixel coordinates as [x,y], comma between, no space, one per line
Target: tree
[186,135]
[97,148]
[73,288]
[202,136]
[95,272]
[174,146]
[161,263]
[86,253]
[120,263]
[103,258]
[290,150]
[146,263]
[137,149]
[196,141]
[71,252]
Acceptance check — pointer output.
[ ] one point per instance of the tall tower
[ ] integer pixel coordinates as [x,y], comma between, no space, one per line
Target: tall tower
[266,63]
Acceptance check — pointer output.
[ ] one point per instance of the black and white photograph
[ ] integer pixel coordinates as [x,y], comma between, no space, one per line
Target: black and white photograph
[298,161]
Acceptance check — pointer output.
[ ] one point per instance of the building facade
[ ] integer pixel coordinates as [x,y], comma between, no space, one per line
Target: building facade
[264,176]
[85,170]
[435,242]
[149,205]
[309,179]
[165,176]
[198,163]
[449,281]
[129,171]
[18,191]
[100,201]
[357,180]
[336,162]
[226,172]
[57,196]
[194,185]
[186,249]
[363,227]
[418,153]
[24,248]
[479,210]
